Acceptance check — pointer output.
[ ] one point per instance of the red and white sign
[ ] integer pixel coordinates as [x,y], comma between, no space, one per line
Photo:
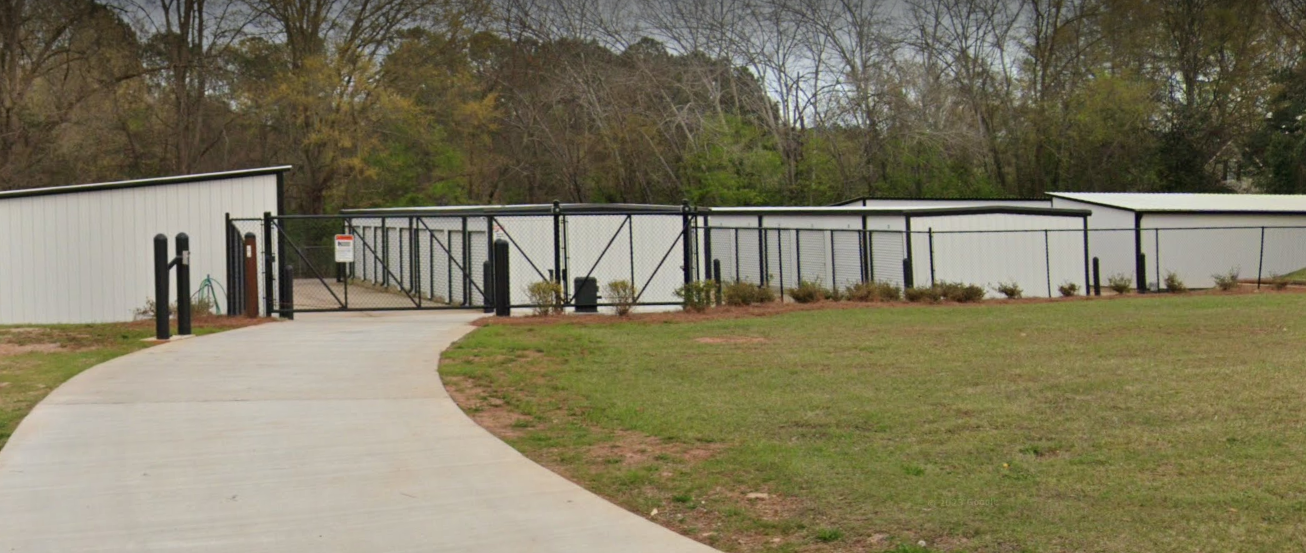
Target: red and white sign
[344,248]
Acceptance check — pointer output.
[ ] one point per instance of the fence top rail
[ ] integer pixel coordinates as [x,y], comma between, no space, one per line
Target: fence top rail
[1154,229]
[524,209]
[909,212]
[808,229]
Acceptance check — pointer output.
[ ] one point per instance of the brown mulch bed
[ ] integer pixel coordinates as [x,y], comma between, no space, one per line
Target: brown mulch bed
[776,308]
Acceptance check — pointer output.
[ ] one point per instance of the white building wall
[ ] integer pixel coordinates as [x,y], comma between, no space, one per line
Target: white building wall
[1037,252]
[1198,246]
[1110,238]
[87,256]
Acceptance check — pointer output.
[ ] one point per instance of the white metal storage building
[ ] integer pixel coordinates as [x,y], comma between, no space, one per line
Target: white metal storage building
[82,254]
[1195,236]
[1038,248]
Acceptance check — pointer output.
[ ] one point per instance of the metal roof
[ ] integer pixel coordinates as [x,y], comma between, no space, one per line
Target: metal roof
[939,200]
[1142,202]
[178,179]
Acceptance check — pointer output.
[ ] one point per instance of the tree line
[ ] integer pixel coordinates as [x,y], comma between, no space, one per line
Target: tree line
[722,102]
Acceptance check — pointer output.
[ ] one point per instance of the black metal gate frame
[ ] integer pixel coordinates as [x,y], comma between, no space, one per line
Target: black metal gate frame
[288,252]
[561,240]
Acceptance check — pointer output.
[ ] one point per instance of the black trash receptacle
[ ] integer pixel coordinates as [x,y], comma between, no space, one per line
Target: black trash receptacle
[587,295]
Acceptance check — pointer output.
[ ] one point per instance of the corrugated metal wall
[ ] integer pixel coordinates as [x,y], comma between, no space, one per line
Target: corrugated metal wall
[87,256]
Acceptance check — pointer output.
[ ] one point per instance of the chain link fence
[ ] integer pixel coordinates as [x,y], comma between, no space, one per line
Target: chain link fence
[432,262]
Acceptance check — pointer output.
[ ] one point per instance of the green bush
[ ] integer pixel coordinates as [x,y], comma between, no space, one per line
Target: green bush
[959,292]
[1227,281]
[809,292]
[621,294]
[873,292]
[1068,290]
[697,296]
[545,297]
[1120,283]
[1009,289]
[1174,284]
[739,294]
[923,295]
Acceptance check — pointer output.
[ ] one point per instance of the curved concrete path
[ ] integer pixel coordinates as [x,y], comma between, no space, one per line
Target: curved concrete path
[330,433]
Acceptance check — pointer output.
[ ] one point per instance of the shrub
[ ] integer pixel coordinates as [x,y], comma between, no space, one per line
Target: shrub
[1279,282]
[1009,289]
[922,295]
[697,296]
[1120,283]
[873,291]
[959,292]
[1174,284]
[1068,290]
[739,293]
[621,294]
[546,297]
[809,292]
[1227,281]
[201,307]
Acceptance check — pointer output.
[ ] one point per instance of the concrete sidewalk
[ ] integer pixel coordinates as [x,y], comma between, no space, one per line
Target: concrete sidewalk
[330,433]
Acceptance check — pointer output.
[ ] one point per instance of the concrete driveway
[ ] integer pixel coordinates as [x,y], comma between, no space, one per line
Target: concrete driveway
[329,433]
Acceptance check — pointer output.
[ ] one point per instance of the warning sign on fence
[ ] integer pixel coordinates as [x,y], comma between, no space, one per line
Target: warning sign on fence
[344,248]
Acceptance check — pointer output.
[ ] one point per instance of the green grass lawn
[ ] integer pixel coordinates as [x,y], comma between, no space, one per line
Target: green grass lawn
[1129,425]
[34,360]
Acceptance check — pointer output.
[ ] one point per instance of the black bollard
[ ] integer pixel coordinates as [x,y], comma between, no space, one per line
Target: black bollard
[161,314]
[502,292]
[183,284]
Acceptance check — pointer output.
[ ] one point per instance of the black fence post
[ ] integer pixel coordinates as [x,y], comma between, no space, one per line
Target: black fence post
[1260,264]
[385,254]
[231,263]
[707,248]
[716,277]
[630,237]
[287,310]
[1097,278]
[908,267]
[502,291]
[183,284]
[1047,260]
[762,277]
[931,235]
[687,246]
[161,312]
[487,277]
[863,246]
[269,261]
[557,242]
[1142,273]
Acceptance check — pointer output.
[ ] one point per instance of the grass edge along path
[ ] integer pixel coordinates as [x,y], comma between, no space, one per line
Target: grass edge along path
[36,359]
[1154,424]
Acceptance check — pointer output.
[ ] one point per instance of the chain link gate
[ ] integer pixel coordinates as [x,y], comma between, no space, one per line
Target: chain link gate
[415,260]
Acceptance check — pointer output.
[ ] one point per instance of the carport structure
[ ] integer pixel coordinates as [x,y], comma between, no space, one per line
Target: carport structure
[1195,236]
